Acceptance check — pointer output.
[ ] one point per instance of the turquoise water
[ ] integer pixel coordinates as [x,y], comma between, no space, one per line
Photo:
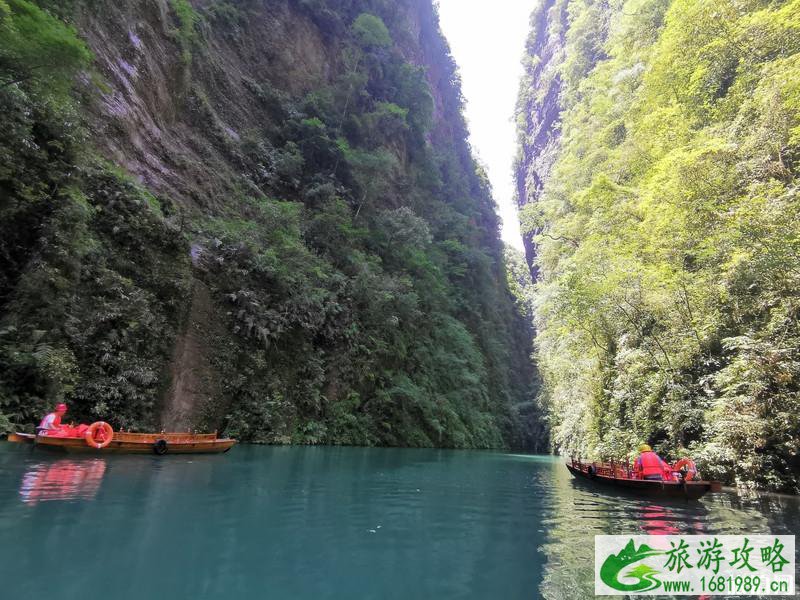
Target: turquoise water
[297,523]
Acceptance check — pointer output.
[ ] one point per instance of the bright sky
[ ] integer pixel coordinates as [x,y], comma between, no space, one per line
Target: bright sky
[487,39]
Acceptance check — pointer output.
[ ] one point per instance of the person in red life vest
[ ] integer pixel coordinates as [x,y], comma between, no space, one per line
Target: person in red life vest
[650,465]
[52,422]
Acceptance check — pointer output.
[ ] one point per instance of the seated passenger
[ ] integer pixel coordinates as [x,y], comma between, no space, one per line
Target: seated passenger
[650,465]
[686,467]
[52,422]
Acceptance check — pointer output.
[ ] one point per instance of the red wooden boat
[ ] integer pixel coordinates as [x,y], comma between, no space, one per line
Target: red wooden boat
[621,477]
[124,442]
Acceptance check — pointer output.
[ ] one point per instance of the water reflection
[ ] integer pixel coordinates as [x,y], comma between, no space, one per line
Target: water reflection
[331,523]
[578,510]
[658,520]
[299,523]
[62,480]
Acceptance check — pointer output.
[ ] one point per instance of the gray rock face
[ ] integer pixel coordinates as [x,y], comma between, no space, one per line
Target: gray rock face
[539,108]
[545,93]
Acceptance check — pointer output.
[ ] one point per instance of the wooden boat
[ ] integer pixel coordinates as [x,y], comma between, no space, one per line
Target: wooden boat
[621,477]
[123,442]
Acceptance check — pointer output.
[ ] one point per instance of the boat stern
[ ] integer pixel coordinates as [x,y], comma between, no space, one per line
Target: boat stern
[21,438]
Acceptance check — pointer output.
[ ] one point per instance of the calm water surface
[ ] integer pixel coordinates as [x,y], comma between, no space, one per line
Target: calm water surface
[350,523]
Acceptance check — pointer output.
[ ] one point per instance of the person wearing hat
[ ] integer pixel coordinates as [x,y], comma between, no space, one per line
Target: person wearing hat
[650,465]
[52,421]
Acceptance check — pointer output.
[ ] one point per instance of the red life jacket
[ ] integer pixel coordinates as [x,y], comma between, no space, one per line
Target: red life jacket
[650,463]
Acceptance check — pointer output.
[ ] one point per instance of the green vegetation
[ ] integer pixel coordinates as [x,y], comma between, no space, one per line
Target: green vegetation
[34,46]
[86,292]
[668,237]
[91,281]
[401,322]
[186,34]
[358,293]
[370,30]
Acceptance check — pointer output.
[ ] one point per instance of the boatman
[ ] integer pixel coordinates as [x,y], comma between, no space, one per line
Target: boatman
[52,421]
[650,465]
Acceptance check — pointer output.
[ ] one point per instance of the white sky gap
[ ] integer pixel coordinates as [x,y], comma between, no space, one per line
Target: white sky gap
[487,39]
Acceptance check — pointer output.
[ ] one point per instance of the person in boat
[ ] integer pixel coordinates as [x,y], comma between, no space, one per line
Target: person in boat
[650,465]
[686,468]
[52,421]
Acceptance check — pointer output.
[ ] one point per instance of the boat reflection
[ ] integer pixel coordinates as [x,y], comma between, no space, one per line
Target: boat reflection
[577,510]
[63,479]
[658,520]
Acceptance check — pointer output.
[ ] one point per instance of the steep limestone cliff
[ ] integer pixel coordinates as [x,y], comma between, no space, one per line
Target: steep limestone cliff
[254,215]
[539,109]
[552,73]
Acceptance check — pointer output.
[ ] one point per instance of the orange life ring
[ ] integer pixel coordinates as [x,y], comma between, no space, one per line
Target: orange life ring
[99,435]
[691,468]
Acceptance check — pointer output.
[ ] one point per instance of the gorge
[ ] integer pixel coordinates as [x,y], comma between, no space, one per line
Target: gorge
[265,217]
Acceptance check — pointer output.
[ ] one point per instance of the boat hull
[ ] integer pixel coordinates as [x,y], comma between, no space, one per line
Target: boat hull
[131,443]
[691,490]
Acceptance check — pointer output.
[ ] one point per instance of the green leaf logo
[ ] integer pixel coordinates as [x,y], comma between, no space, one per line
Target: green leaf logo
[629,555]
